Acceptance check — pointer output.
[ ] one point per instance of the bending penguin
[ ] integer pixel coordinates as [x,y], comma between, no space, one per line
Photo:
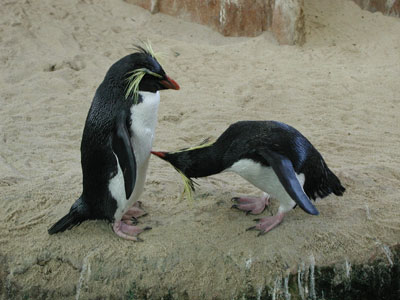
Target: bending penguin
[116,144]
[273,156]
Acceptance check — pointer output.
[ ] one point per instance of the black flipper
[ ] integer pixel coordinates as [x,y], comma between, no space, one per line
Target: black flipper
[122,147]
[283,168]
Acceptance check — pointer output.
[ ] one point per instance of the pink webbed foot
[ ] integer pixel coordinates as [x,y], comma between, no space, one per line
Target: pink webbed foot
[128,232]
[253,206]
[267,223]
[132,214]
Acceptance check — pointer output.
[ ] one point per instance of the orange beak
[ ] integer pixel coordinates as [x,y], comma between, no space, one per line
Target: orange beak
[169,83]
[159,154]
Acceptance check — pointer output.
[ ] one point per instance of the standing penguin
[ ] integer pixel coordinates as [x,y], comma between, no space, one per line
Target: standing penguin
[116,144]
[271,155]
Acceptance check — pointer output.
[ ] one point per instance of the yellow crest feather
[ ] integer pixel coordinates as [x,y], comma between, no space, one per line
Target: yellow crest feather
[136,76]
[188,184]
[134,79]
[147,48]
[203,144]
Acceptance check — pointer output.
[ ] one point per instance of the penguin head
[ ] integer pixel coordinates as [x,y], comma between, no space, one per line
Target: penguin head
[180,160]
[139,72]
[143,73]
[186,159]
[153,76]
[167,156]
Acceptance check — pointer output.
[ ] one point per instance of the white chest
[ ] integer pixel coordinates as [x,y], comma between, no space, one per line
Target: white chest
[143,124]
[266,180]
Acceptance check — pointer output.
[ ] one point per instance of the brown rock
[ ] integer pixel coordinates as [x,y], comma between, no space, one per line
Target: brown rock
[387,7]
[288,22]
[238,17]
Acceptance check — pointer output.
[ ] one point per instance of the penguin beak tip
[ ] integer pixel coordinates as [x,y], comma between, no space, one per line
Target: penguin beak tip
[158,153]
[169,83]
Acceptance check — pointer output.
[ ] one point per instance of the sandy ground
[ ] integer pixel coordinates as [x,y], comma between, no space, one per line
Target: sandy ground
[341,90]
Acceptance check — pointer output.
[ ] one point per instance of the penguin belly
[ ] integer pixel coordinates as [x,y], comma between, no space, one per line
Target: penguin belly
[143,124]
[264,178]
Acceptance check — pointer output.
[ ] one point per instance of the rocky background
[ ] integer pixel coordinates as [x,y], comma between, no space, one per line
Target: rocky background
[284,18]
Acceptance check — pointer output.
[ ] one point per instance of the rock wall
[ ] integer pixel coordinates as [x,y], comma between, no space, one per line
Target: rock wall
[288,21]
[378,278]
[387,7]
[285,18]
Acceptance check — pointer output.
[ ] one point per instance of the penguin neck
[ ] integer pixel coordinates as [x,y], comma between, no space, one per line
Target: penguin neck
[199,162]
[144,113]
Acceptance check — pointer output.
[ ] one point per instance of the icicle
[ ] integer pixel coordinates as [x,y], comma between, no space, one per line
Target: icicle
[300,278]
[348,268]
[248,263]
[312,278]
[286,287]
[259,293]
[277,287]
[388,253]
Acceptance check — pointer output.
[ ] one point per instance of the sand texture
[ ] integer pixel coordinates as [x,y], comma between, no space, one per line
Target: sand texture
[341,90]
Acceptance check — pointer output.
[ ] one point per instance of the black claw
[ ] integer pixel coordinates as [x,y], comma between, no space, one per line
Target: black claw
[251,228]
[258,219]
[248,212]
[139,240]
[261,233]
[147,228]
[235,199]
[235,206]
[145,214]
[134,220]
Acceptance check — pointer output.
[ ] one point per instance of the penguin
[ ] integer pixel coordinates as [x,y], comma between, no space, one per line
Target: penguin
[116,144]
[273,156]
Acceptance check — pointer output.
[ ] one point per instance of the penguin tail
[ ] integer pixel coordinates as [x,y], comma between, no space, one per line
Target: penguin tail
[330,183]
[77,214]
[337,188]
[323,183]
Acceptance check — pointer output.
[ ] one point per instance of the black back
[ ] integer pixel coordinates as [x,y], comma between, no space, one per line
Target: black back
[251,139]
[98,161]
